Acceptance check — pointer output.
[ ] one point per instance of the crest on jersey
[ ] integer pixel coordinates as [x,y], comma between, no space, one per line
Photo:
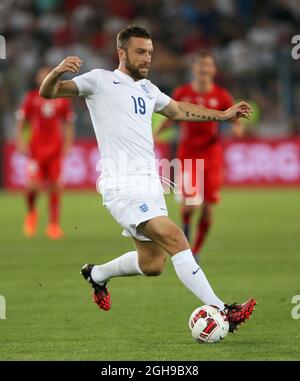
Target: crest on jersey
[48,109]
[213,102]
[146,90]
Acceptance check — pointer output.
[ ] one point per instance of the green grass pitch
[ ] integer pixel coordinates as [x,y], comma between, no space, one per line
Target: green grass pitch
[253,250]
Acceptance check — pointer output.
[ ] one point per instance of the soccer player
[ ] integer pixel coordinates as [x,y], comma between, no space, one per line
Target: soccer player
[121,103]
[201,141]
[45,149]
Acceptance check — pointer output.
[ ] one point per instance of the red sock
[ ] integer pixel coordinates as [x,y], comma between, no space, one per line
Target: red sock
[54,207]
[31,197]
[202,230]
[186,219]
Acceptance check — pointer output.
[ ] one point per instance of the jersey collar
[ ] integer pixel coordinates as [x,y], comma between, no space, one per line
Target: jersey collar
[126,77]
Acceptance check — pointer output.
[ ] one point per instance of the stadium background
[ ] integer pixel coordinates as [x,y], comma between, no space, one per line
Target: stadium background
[251,41]
[254,246]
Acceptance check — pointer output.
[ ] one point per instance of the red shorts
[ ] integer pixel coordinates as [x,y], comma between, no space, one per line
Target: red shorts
[201,180]
[46,170]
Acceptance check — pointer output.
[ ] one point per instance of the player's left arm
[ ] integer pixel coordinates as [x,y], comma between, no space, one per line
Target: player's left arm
[189,112]
[237,127]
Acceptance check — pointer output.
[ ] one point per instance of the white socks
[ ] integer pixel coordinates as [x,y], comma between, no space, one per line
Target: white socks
[194,279]
[125,265]
[185,266]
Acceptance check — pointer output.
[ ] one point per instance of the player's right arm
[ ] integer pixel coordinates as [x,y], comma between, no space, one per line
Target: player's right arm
[52,87]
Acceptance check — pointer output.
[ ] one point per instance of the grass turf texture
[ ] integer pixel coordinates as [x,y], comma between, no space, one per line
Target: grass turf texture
[253,250]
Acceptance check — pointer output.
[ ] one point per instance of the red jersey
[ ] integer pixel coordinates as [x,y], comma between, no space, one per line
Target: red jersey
[198,137]
[45,117]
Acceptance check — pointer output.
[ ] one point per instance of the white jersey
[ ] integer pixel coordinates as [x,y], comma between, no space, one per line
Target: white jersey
[121,111]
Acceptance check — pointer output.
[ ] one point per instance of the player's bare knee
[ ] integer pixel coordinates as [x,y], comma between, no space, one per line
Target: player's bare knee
[173,236]
[155,270]
[152,272]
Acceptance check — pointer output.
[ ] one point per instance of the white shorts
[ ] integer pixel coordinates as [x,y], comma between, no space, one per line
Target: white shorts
[134,204]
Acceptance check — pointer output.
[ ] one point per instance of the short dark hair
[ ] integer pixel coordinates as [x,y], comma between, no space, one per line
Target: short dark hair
[131,31]
[203,53]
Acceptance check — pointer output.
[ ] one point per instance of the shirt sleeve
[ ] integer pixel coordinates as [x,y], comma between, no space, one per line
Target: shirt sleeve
[162,100]
[88,83]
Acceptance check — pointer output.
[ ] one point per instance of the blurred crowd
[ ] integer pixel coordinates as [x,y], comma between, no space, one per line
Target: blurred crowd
[250,38]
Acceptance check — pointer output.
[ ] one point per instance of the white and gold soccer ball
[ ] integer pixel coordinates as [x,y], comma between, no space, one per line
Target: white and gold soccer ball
[208,324]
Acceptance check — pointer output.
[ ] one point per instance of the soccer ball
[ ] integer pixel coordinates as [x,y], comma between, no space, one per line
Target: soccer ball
[208,324]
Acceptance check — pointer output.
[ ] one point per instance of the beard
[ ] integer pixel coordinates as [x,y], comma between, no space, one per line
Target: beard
[135,71]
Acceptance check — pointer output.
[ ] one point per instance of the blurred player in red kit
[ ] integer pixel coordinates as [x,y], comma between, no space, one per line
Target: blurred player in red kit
[46,147]
[201,140]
